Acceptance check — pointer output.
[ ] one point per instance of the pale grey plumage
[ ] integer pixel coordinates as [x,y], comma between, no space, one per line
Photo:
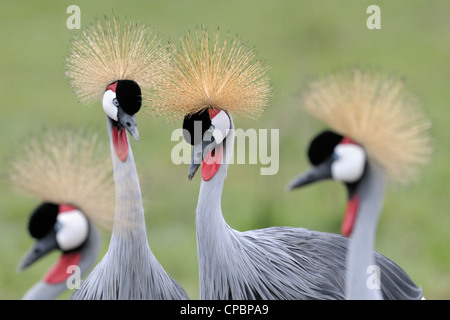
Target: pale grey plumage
[273,263]
[370,113]
[362,263]
[129,270]
[362,240]
[123,62]
[63,168]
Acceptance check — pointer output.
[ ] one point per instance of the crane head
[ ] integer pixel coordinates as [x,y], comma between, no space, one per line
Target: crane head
[206,130]
[333,157]
[339,158]
[55,227]
[121,101]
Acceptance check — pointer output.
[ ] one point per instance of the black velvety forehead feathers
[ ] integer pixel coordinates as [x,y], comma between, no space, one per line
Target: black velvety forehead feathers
[43,219]
[129,96]
[191,121]
[322,146]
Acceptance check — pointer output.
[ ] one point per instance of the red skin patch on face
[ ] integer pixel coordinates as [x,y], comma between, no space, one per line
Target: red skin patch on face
[65,208]
[213,113]
[212,161]
[120,142]
[347,140]
[112,87]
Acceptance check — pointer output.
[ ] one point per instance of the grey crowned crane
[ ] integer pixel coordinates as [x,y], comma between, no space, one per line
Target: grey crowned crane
[209,80]
[378,136]
[119,64]
[68,172]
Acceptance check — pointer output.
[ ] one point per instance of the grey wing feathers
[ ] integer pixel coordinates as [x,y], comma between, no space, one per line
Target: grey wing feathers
[296,263]
[109,283]
[396,284]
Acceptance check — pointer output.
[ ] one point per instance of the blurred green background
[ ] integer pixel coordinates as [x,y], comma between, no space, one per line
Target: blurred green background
[299,40]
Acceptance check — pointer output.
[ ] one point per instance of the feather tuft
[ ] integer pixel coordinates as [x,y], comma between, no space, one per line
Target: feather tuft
[374,111]
[205,73]
[108,51]
[68,167]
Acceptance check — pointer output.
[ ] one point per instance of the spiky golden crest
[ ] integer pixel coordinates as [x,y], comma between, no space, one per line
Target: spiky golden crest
[68,167]
[110,50]
[216,74]
[374,111]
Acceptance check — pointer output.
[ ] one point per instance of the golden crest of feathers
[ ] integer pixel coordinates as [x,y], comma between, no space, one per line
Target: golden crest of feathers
[110,51]
[375,112]
[212,74]
[68,167]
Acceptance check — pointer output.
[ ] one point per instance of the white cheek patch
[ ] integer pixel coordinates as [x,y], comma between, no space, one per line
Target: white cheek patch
[221,123]
[74,229]
[108,105]
[349,166]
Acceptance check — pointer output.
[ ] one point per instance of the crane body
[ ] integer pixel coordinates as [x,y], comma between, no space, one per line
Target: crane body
[378,136]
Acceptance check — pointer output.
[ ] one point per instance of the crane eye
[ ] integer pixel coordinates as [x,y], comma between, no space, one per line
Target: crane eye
[334,156]
[115,102]
[57,226]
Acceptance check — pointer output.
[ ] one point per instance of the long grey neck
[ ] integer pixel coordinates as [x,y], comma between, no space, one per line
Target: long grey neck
[363,276]
[90,250]
[209,219]
[129,220]
[213,233]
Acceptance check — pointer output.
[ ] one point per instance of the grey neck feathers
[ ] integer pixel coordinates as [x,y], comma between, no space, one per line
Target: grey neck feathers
[129,220]
[129,270]
[209,217]
[90,250]
[209,210]
[213,233]
[362,273]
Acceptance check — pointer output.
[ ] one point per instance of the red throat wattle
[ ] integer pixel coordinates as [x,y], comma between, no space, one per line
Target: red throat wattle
[59,272]
[350,216]
[120,142]
[212,161]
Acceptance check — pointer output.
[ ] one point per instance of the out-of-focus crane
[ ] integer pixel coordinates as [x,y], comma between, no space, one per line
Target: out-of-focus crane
[121,64]
[208,81]
[68,172]
[378,135]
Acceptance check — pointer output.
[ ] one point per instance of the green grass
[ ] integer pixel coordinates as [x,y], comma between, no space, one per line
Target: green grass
[299,40]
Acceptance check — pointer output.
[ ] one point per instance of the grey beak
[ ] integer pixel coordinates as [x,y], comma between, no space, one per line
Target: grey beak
[199,151]
[38,250]
[129,123]
[319,172]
